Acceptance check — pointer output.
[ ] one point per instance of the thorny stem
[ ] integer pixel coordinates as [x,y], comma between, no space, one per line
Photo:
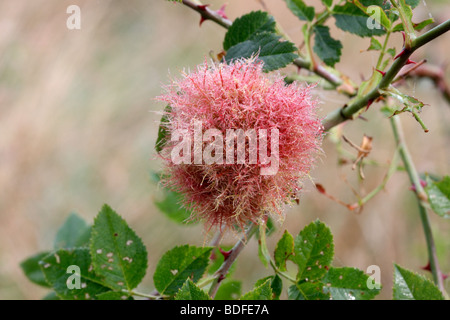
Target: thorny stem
[345,113]
[207,13]
[235,251]
[421,197]
[320,71]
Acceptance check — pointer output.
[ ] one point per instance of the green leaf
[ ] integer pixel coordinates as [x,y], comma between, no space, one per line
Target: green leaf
[374,44]
[327,3]
[301,10]
[270,226]
[163,132]
[444,186]
[277,287]
[313,251]
[275,283]
[189,291]
[284,249]
[247,26]
[229,290]
[55,267]
[118,254]
[261,292]
[406,17]
[32,269]
[170,203]
[113,295]
[348,284]
[75,232]
[439,195]
[274,53]
[377,10]
[412,3]
[391,51]
[51,296]
[410,104]
[179,264]
[368,85]
[263,252]
[327,48]
[411,286]
[352,19]
[307,291]
[417,26]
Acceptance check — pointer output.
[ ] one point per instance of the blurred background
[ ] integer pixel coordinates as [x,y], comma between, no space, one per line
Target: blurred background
[78,123]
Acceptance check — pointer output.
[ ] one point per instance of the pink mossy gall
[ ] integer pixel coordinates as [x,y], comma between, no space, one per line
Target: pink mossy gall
[239,95]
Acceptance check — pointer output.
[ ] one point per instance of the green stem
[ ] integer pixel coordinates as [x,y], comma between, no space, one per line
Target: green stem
[392,169]
[205,281]
[345,113]
[421,197]
[267,256]
[383,50]
[320,71]
[281,273]
[406,21]
[144,295]
[420,121]
[321,18]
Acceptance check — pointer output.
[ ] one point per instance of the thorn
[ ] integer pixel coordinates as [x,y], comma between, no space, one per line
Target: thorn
[404,37]
[225,253]
[427,267]
[213,256]
[369,103]
[320,188]
[382,72]
[221,11]
[422,183]
[409,61]
[202,6]
[363,118]
[399,54]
